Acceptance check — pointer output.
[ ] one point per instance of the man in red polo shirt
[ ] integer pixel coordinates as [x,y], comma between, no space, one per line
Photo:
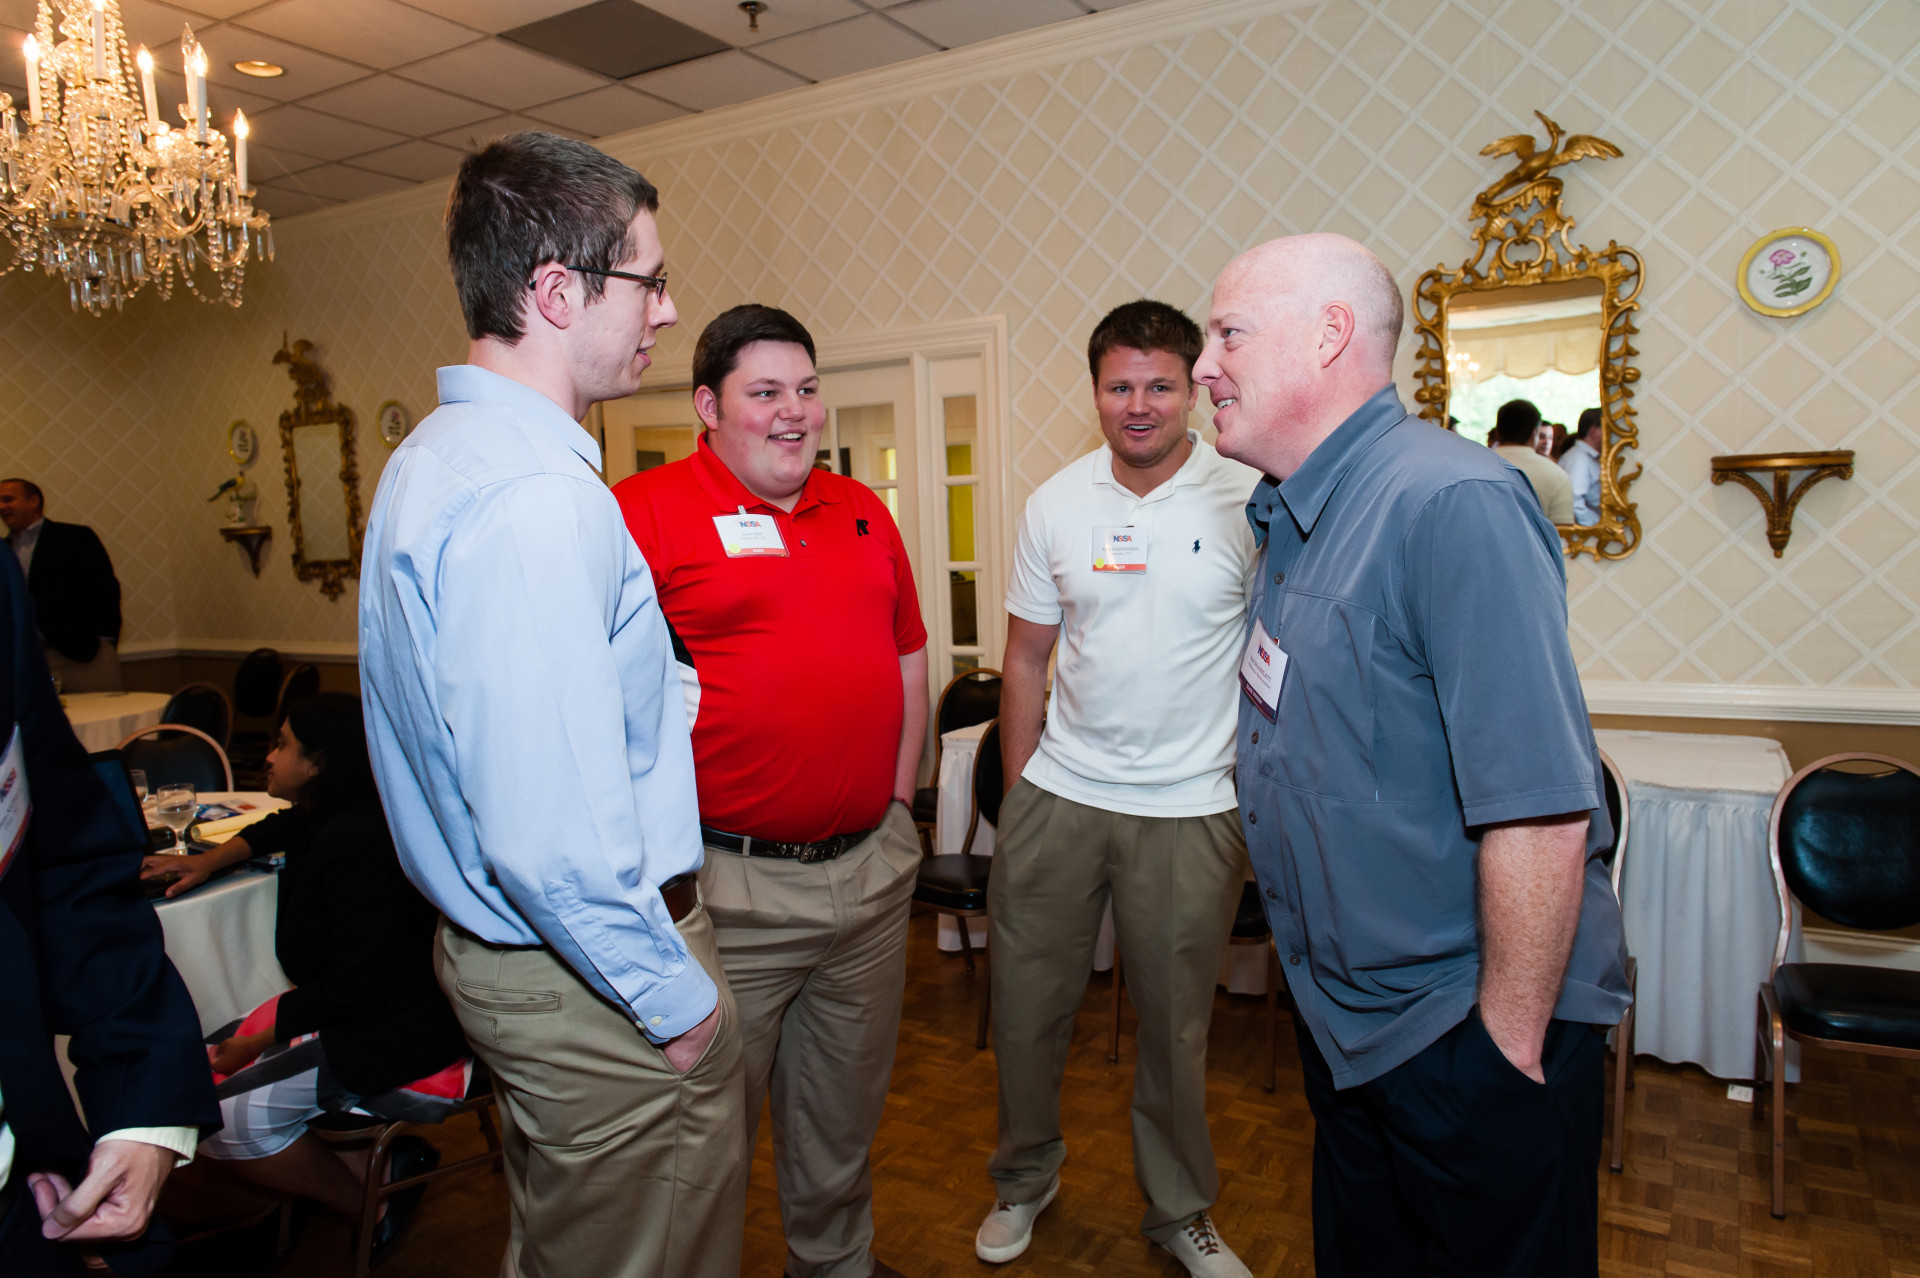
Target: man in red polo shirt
[790,593]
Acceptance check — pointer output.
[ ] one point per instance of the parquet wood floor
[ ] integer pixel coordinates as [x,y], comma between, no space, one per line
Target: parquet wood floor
[1693,1200]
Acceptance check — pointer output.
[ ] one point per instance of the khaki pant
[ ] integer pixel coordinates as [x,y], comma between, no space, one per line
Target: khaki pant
[816,957]
[1175,883]
[617,1165]
[102,674]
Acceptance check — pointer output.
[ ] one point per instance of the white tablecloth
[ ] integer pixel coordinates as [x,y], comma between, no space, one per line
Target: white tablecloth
[1696,893]
[102,720]
[1245,968]
[220,936]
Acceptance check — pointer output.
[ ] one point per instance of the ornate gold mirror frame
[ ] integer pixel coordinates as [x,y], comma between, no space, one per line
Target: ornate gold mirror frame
[1524,239]
[313,406]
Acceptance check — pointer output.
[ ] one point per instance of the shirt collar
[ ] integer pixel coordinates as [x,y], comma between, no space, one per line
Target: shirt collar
[28,535]
[725,487]
[1189,472]
[1307,491]
[471,384]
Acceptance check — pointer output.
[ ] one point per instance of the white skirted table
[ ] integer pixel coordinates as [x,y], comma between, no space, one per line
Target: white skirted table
[1696,893]
[220,935]
[102,720]
[1245,968]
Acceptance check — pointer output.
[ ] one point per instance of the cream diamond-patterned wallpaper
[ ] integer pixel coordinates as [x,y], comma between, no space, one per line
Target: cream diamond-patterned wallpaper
[1048,182]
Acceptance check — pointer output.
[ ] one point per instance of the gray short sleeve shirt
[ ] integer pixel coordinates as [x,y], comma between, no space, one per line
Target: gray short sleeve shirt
[1420,596]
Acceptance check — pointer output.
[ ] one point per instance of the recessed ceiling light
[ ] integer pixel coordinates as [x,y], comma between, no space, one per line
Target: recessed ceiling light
[258,69]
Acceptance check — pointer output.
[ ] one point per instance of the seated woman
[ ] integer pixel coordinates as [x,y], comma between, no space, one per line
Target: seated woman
[356,940]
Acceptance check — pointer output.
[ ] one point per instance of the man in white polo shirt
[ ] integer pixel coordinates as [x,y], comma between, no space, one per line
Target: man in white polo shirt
[1136,560]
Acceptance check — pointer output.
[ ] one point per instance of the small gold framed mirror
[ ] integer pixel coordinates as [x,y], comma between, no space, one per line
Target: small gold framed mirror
[323,476]
[1534,315]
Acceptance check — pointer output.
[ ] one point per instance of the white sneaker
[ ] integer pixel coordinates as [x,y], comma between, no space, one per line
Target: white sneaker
[1201,1250]
[1008,1228]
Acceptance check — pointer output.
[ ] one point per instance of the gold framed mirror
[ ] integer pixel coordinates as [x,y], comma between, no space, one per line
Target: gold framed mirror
[323,476]
[1534,315]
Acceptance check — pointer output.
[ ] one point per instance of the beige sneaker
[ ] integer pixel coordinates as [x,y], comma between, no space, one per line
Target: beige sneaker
[1008,1228]
[1201,1250]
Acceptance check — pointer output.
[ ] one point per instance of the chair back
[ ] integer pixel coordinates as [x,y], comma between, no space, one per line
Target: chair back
[202,706]
[302,681]
[970,697]
[256,684]
[1847,844]
[989,785]
[177,753]
[1615,784]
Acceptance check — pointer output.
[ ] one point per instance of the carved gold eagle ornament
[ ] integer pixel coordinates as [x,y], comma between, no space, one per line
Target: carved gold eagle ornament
[1534,163]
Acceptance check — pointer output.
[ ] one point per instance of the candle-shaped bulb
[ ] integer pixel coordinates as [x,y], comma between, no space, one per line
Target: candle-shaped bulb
[240,132]
[99,39]
[144,61]
[200,88]
[32,49]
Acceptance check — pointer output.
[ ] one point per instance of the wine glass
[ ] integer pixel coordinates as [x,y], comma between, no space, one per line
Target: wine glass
[176,806]
[139,780]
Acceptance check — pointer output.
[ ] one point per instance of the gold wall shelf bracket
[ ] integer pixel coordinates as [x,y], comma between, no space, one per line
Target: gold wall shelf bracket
[252,540]
[1778,505]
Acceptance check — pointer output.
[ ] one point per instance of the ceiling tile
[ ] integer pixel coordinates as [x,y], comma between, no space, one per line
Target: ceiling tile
[495,15]
[270,164]
[379,33]
[310,133]
[219,8]
[1107,4]
[845,47]
[18,15]
[307,72]
[416,161]
[617,38]
[957,22]
[171,90]
[385,99]
[341,182]
[716,81]
[284,203]
[470,136]
[726,22]
[503,74]
[613,109]
[158,26]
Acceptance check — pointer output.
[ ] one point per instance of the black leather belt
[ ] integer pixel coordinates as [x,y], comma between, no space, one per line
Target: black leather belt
[681,893]
[805,853]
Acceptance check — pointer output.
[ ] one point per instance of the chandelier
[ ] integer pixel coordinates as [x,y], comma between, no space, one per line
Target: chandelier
[98,190]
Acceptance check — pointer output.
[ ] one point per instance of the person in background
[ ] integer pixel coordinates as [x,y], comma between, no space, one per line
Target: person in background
[1426,825]
[1515,428]
[81,954]
[791,592]
[1545,437]
[529,736]
[364,1014]
[75,593]
[1582,464]
[1135,560]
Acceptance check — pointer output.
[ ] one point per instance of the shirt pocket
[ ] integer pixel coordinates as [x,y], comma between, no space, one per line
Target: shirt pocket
[1323,737]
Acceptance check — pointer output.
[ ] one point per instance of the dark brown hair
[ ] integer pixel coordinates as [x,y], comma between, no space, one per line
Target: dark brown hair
[528,199]
[333,734]
[33,489]
[1515,422]
[717,353]
[1145,325]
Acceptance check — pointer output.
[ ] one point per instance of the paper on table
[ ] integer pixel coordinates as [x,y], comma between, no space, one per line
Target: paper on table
[227,827]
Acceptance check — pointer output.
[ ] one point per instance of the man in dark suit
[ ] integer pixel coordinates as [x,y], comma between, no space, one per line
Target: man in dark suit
[74,590]
[80,954]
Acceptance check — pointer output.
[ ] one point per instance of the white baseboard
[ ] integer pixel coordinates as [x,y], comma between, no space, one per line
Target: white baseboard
[1831,945]
[1754,701]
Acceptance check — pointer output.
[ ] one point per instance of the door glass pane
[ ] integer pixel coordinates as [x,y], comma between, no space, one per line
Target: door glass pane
[960,529]
[965,662]
[959,412]
[658,445]
[867,443]
[966,622]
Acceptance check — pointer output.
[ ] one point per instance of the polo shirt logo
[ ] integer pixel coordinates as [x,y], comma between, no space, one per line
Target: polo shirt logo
[860,528]
[1196,545]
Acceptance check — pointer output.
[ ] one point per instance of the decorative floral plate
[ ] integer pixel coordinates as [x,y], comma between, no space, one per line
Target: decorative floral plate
[1789,272]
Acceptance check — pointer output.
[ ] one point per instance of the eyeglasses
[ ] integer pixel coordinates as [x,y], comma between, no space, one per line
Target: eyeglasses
[655,283]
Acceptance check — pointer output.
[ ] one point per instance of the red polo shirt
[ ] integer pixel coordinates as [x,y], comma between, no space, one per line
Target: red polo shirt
[798,731]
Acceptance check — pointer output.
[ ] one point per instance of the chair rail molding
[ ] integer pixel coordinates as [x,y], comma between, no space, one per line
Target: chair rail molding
[1898,706]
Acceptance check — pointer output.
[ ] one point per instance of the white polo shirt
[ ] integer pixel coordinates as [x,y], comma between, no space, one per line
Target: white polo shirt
[1145,686]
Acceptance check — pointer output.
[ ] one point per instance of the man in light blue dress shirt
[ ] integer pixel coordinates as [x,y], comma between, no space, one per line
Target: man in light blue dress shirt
[530,737]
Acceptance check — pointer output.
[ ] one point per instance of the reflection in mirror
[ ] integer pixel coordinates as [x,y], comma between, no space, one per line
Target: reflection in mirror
[323,502]
[1541,344]
[867,445]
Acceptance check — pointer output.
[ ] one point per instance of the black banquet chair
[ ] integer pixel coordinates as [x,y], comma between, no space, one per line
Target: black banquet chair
[1615,857]
[202,706]
[256,694]
[176,753]
[970,697]
[1845,844]
[956,884]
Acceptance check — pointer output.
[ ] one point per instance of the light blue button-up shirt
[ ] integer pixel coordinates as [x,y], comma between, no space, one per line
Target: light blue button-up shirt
[524,713]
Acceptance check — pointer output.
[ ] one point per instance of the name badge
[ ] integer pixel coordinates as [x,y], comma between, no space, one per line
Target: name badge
[1119,550]
[15,805]
[1261,671]
[743,536]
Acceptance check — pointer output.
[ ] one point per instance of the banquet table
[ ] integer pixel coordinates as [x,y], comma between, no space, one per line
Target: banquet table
[1696,892]
[102,720]
[1245,968]
[220,935]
